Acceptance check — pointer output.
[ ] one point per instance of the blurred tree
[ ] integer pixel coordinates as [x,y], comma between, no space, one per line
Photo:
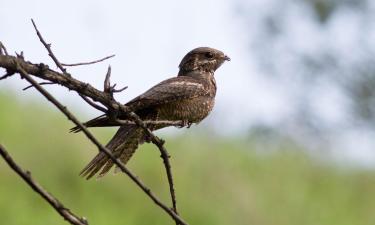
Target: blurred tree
[322,53]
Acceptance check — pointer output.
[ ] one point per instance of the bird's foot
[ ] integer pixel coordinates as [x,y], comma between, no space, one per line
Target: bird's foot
[186,123]
[147,139]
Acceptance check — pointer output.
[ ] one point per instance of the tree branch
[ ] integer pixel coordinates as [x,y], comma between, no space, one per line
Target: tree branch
[41,83]
[48,47]
[88,63]
[96,106]
[2,48]
[115,109]
[71,117]
[54,202]
[42,71]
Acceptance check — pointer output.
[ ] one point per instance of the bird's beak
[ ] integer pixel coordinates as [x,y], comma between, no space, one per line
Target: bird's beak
[226,58]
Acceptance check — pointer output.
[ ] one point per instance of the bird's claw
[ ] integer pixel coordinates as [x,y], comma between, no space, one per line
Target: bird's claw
[186,124]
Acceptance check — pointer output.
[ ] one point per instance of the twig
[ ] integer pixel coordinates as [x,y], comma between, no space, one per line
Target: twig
[96,106]
[54,202]
[6,76]
[41,83]
[154,139]
[43,72]
[20,55]
[88,63]
[108,88]
[164,154]
[2,47]
[71,117]
[118,90]
[48,47]
[107,83]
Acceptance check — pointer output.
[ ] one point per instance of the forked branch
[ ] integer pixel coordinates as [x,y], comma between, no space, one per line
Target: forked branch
[54,202]
[91,95]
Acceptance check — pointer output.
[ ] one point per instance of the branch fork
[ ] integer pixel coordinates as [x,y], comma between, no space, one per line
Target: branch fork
[91,95]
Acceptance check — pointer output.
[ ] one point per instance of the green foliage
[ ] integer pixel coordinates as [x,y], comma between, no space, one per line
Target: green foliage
[218,181]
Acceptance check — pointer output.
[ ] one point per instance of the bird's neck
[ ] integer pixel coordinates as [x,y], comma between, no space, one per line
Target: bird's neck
[204,77]
[196,73]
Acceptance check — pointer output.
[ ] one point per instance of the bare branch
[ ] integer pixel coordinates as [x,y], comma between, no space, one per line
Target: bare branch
[54,202]
[2,48]
[44,72]
[88,63]
[20,56]
[48,47]
[101,148]
[41,83]
[154,139]
[119,90]
[96,106]
[107,83]
[6,76]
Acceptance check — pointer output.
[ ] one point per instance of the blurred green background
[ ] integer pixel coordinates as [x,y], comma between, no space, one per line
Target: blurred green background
[218,180]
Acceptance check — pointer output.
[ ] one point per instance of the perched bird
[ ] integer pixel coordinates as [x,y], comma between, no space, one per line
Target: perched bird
[189,97]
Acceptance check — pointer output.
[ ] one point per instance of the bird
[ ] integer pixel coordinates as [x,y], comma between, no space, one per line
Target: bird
[188,97]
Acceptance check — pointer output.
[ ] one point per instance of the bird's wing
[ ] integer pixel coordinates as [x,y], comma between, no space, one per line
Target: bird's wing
[170,90]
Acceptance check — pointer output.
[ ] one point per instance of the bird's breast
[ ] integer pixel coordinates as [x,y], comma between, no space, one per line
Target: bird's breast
[192,110]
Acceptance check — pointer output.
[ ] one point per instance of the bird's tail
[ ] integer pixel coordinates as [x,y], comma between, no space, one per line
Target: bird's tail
[122,146]
[101,121]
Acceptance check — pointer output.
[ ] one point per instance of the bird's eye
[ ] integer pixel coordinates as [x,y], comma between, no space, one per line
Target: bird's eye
[209,55]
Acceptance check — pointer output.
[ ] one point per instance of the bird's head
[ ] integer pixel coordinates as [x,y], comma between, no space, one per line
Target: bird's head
[203,59]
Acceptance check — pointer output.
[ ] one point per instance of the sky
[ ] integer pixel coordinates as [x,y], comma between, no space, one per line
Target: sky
[150,38]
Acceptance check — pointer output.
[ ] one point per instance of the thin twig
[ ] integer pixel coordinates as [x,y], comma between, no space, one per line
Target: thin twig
[71,117]
[108,88]
[154,139]
[48,47]
[107,84]
[54,202]
[41,83]
[88,63]
[2,47]
[119,90]
[6,76]
[96,106]
[164,154]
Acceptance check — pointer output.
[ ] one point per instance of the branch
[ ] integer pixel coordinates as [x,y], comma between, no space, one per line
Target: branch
[93,104]
[101,148]
[88,63]
[42,71]
[108,88]
[6,75]
[106,98]
[41,83]
[54,202]
[2,48]
[48,47]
